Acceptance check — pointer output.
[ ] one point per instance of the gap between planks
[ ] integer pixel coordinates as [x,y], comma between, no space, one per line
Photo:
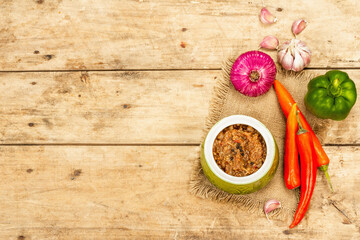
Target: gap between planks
[105,144]
[141,144]
[115,70]
[156,70]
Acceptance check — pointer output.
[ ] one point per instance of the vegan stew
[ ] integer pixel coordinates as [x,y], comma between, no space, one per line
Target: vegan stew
[239,150]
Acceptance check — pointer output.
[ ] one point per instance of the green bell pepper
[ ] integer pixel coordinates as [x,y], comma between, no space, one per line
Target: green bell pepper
[331,95]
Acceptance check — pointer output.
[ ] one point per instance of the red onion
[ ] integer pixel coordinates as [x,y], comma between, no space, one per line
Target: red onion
[253,73]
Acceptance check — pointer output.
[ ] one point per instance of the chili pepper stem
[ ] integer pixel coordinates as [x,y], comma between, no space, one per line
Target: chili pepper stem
[324,168]
[301,129]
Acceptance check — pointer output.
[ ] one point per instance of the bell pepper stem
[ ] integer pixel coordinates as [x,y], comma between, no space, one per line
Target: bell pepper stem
[336,83]
[324,168]
[335,89]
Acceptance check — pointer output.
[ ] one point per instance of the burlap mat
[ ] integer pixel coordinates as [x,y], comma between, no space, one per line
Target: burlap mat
[227,101]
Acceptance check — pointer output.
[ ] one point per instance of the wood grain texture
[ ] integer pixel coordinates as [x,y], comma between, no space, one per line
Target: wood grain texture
[168,34]
[104,107]
[138,192]
[123,107]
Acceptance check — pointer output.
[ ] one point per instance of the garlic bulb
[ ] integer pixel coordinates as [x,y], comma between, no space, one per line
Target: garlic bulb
[294,55]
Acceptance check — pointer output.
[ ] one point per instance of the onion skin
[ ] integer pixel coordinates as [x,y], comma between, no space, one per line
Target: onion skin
[253,73]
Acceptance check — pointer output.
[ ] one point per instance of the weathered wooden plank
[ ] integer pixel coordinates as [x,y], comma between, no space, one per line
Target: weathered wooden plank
[104,107]
[129,192]
[122,107]
[63,34]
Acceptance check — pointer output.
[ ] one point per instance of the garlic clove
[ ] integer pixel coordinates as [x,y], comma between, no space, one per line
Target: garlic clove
[269,42]
[266,17]
[285,45]
[305,49]
[298,64]
[287,61]
[281,55]
[302,45]
[298,26]
[270,206]
[306,57]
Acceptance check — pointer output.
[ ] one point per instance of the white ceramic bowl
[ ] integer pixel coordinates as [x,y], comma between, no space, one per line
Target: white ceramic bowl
[246,184]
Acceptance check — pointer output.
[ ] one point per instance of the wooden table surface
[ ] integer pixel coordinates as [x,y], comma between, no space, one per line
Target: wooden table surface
[103,105]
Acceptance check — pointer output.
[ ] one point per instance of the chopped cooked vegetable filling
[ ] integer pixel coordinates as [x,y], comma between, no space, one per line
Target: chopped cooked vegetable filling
[239,150]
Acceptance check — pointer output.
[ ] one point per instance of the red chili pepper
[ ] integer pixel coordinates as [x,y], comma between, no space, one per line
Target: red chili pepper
[291,159]
[286,101]
[308,171]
